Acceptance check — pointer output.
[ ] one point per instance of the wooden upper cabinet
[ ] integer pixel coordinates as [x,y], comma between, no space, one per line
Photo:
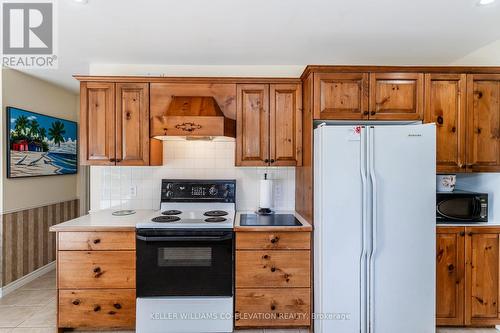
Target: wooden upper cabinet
[483,122]
[341,96]
[396,96]
[97,123]
[132,123]
[285,124]
[482,276]
[450,276]
[445,105]
[252,124]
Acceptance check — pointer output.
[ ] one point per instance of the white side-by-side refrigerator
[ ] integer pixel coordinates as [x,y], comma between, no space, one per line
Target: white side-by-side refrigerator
[374,220]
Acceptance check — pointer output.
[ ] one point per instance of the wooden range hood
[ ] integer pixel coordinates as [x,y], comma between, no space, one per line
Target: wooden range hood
[196,116]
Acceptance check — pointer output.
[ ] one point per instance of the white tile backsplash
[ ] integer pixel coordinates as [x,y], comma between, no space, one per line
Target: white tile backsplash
[110,186]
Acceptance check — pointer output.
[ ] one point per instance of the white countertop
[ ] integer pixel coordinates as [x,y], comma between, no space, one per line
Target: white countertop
[103,220]
[477,224]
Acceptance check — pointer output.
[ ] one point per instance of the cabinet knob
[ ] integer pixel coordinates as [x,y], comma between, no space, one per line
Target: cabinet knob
[272,161]
[97,241]
[112,160]
[440,120]
[453,129]
[273,307]
[117,306]
[97,269]
[373,113]
[128,115]
[275,239]
[97,308]
[451,267]
[462,166]
[265,256]
[273,269]
[365,113]
[118,160]
[266,160]
[478,130]
[462,233]
[470,233]
[76,302]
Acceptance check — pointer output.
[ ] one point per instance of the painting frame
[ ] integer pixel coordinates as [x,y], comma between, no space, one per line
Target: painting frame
[68,167]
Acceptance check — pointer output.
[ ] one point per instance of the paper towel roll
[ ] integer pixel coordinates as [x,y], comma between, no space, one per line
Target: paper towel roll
[266,193]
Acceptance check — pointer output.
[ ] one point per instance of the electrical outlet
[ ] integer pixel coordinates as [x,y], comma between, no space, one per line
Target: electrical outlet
[132,190]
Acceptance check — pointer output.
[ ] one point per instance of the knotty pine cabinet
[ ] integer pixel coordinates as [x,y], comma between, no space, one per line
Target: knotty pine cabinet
[368,96]
[273,277]
[445,105]
[483,122]
[95,280]
[115,125]
[466,110]
[467,276]
[268,124]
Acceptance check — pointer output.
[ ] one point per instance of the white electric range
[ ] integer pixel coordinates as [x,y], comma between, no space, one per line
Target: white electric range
[185,259]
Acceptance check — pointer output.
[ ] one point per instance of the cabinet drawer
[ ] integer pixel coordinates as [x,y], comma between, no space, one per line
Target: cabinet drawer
[273,240]
[273,307]
[257,269]
[102,308]
[96,269]
[96,241]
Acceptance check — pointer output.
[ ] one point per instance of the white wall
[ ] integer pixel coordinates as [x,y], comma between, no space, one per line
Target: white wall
[488,55]
[32,94]
[188,159]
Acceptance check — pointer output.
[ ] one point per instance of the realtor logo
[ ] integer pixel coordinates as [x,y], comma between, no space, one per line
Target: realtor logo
[28,38]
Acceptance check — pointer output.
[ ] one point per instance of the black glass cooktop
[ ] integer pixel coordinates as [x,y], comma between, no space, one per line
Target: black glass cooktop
[269,220]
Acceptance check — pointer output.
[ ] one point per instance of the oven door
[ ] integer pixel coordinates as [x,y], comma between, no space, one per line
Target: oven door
[462,209]
[184,262]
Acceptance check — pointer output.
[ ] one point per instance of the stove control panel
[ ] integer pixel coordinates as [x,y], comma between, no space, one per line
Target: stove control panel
[187,190]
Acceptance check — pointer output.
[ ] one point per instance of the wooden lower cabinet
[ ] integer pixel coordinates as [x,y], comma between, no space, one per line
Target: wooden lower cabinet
[97,308]
[272,307]
[450,276]
[96,280]
[468,271]
[273,279]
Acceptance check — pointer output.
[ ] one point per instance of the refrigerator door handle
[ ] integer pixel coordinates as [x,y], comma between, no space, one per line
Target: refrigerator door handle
[363,258]
[371,264]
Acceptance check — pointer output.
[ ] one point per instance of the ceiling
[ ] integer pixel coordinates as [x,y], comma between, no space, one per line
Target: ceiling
[267,32]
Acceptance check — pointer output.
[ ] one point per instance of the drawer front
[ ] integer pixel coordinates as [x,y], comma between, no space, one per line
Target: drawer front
[96,241]
[273,240]
[104,308]
[258,269]
[272,307]
[96,269]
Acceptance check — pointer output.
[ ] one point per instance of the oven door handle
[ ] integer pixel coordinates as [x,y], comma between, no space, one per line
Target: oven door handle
[183,238]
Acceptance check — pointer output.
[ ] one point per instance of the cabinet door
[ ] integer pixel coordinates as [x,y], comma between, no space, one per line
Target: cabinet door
[450,274]
[252,124]
[396,96]
[445,102]
[97,123]
[341,96]
[483,122]
[285,124]
[481,292]
[132,123]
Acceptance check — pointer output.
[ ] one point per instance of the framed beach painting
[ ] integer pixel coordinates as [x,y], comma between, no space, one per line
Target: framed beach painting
[40,145]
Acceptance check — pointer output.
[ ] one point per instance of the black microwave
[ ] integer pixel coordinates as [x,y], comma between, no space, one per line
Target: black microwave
[461,206]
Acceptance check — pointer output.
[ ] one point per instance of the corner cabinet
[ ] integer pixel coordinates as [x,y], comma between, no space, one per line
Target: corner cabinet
[268,124]
[115,124]
[467,276]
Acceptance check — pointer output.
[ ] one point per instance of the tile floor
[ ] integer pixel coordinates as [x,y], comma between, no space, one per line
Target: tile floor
[32,309]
